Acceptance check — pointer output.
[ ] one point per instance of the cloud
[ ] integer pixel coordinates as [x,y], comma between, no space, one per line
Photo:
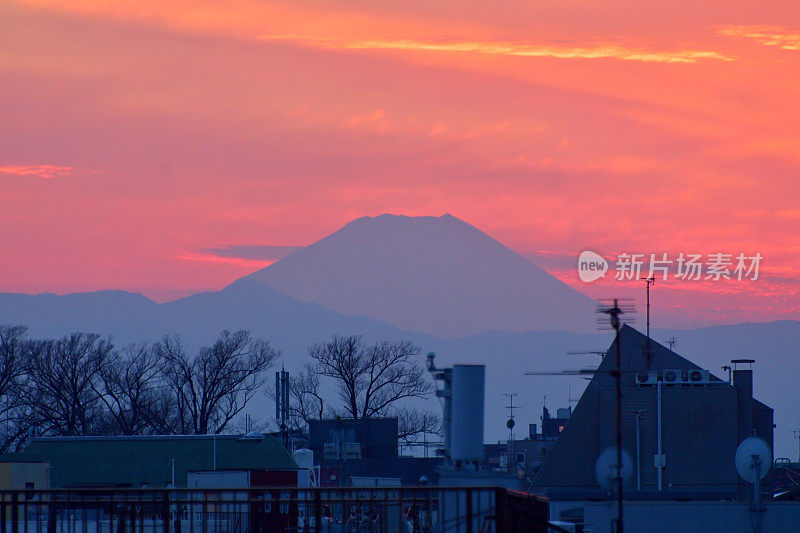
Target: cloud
[253,252]
[507,48]
[212,259]
[39,171]
[765,35]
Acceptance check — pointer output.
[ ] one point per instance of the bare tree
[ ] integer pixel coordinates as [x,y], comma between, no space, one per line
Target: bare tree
[306,402]
[413,422]
[213,387]
[371,379]
[62,383]
[14,414]
[130,386]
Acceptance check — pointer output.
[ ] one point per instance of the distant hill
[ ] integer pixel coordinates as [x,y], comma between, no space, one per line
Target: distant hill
[435,275]
[287,323]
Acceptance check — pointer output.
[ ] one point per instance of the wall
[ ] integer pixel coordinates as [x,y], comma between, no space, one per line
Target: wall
[14,476]
[692,517]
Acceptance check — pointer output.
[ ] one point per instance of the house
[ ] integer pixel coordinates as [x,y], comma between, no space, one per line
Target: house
[154,461]
[702,420]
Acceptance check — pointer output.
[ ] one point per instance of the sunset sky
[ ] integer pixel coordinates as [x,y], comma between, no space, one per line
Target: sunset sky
[172,147]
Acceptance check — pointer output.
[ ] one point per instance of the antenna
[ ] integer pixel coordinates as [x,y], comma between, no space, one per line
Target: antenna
[753,460]
[648,349]
[606,469]
[510,425]
[614,313]
[601,353]
[282,403]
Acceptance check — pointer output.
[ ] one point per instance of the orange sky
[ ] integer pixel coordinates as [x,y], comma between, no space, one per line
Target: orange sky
[139,135]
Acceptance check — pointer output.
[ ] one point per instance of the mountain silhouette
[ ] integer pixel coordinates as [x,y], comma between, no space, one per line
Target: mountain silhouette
[437,275]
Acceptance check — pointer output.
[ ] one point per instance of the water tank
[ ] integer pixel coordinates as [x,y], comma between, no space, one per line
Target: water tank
[304,458]
[467,418]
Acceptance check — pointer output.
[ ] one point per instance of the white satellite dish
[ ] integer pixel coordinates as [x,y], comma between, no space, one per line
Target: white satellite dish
[753,455]
[605,470]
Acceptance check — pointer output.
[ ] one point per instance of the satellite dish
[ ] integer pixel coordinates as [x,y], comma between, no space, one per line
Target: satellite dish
[605,470]
[753,452]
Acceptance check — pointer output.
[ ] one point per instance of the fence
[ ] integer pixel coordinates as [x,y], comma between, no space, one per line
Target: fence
[280,510]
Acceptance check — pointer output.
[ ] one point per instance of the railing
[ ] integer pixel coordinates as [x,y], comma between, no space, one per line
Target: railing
[280,510]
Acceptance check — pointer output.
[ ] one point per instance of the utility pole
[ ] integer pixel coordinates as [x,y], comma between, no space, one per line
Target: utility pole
[613,313]
[510,425]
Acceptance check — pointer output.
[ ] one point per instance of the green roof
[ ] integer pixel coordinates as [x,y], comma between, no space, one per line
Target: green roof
[147,460]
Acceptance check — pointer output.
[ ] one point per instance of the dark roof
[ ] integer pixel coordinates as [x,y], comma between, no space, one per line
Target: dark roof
[134,461]
[572,459]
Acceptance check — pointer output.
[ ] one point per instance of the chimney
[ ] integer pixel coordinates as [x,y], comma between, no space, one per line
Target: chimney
[743,383]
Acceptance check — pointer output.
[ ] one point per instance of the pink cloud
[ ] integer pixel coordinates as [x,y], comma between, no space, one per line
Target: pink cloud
[39,171]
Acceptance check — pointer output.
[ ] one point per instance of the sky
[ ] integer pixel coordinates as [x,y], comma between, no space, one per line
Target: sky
[171,147]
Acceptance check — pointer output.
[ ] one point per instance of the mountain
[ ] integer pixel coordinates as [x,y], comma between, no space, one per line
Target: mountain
[288,324]
[435,275]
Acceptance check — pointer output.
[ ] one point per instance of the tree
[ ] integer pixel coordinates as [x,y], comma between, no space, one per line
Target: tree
[130,386]
[213,387]
[14,414]
[306,402]
[62,384]
[371,380]
[413,422]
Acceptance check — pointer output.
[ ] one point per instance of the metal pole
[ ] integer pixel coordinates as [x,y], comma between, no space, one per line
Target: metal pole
[638,455]
[797,436]
[757,492]
[660,466]
[619,430]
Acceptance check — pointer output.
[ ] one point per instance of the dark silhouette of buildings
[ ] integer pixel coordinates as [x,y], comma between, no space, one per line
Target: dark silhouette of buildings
[702,418]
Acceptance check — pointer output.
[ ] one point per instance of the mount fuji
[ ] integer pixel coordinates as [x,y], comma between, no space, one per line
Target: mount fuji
[436,275]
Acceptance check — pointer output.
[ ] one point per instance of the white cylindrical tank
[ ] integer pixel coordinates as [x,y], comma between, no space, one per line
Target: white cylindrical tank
[304,458]
[466,439]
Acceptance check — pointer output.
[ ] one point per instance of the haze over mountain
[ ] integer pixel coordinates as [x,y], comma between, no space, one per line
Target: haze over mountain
[437,275]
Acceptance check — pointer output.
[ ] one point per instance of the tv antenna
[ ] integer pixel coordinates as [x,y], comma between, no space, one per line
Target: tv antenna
[753,460]
[601,353]
[510,425]
[614,311]
[648,348]
[671,343]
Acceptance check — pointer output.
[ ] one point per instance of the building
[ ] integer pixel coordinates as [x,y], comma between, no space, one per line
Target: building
[529,453]
[154,461]
[349,451]
[681,427]
[347,438]
[21,475]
